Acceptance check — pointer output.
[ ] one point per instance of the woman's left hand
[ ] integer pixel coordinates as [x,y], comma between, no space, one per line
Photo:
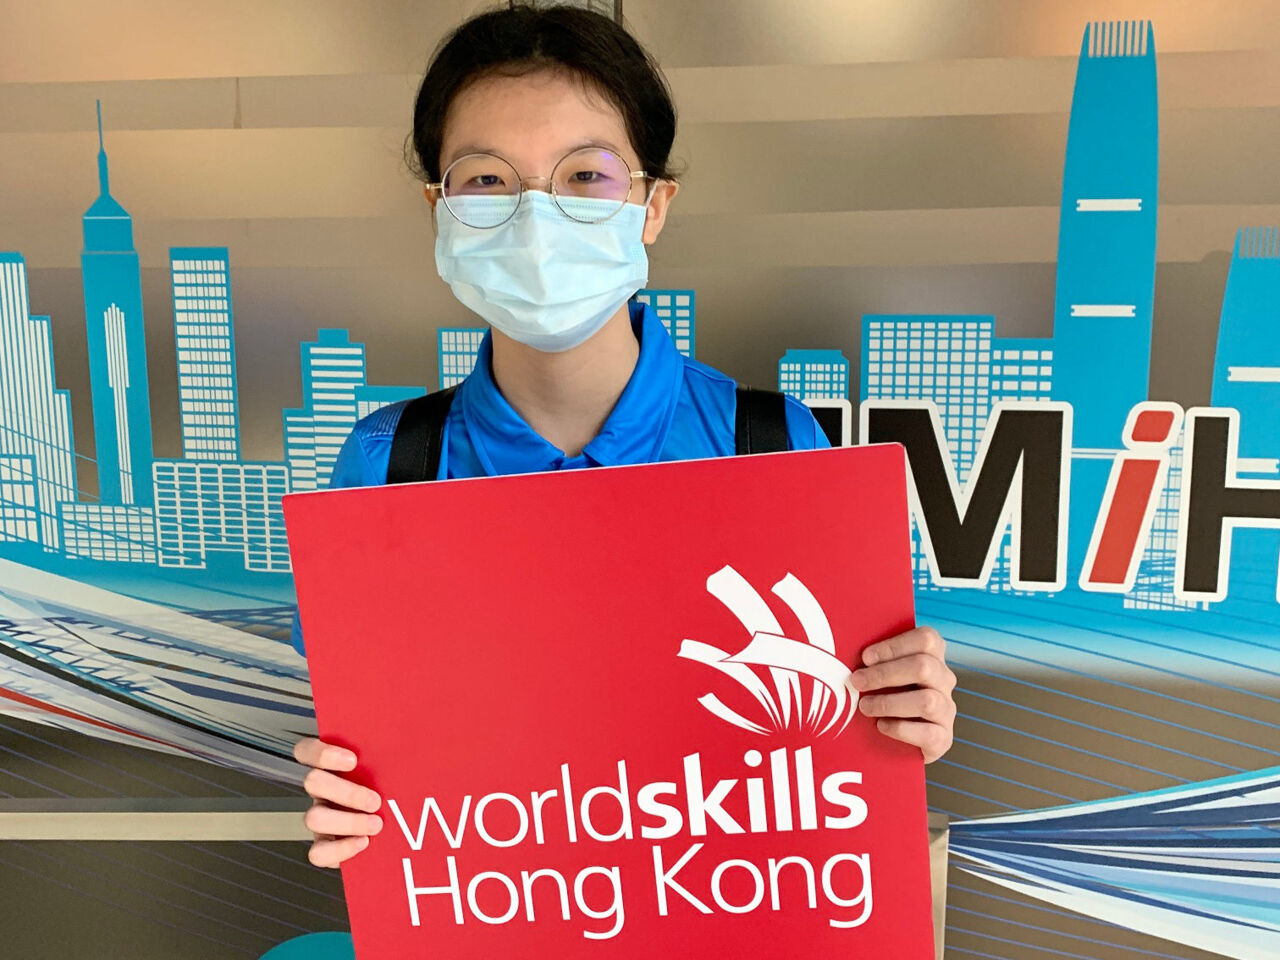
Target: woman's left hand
[924,716]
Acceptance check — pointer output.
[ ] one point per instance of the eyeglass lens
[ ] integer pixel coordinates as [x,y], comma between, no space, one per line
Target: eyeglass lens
[589,185]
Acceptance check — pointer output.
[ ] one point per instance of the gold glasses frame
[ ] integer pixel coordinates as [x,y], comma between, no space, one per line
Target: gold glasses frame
[437,189]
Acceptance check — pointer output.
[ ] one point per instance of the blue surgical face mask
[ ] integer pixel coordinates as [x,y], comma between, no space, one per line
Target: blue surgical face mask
[541,277]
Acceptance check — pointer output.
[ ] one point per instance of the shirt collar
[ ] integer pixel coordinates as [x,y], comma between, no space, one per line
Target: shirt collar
[634,432]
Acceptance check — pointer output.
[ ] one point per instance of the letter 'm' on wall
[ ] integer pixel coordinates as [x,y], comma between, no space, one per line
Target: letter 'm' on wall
[1019,481]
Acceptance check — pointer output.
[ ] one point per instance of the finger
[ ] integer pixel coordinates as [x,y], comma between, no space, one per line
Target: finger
[919,640]
[917,668]
[331,853]
[324,819]
[925,703]
[932,739]
[323,785]
[327,756]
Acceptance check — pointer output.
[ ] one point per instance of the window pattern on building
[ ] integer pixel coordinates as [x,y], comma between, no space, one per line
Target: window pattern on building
[456,350]
[958,364]
[1153,587]
[94,531]
[18,516]
[204,506]
[300,449]
[372,398]
[333,369]
[1021,369]
[676,310]
[943,359]
[118,381]
[35,416]
[814,374]
[208,407]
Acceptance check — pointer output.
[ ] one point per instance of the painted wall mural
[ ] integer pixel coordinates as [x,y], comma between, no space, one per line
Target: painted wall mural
[1103,564]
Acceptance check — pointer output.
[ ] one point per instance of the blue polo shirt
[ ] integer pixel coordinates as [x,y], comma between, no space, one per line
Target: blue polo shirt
[672,408]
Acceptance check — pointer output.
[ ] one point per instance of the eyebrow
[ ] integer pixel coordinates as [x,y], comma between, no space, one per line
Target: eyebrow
[602,144]
[469,148]
[475,148]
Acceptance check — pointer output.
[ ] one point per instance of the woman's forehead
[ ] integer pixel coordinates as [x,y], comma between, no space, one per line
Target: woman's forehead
[532,119]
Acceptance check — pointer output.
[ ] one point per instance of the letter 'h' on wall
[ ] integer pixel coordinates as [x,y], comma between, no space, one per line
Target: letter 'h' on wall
[1215,502]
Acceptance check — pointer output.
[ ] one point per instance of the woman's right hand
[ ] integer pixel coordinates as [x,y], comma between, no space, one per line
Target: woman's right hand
[341,830]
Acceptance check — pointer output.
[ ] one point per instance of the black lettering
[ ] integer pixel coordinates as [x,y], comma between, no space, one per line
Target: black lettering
[1215,503]
[1023,444]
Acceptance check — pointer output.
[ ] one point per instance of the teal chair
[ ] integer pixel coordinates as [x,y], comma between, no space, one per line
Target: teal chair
[314,946]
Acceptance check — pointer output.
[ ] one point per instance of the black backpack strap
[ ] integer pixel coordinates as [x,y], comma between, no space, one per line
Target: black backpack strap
[761,422]
[419,438]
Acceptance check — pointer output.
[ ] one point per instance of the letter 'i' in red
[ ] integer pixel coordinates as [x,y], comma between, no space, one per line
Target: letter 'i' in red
[1137,478]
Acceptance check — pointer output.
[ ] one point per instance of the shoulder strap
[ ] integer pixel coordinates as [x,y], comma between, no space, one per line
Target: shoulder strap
[761,422]
[419,438]
[760,427]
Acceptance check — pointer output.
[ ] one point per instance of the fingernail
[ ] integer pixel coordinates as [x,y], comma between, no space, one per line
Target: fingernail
[858,679]
[865,704]
[346,756]
[869,656]
[375,825]
[364,842]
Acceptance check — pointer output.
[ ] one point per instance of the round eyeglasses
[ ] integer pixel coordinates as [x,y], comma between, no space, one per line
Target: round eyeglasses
[589,185]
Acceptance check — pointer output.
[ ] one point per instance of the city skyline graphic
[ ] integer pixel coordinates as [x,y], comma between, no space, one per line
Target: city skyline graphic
[157,614]
[210,506]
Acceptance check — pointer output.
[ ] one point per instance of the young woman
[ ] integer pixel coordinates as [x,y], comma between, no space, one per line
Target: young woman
[544,137]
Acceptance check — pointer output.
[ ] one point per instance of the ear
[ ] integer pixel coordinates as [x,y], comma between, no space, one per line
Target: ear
[432,199]
[664,191]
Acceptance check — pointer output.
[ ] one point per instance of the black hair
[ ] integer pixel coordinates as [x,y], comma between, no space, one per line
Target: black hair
[522,38]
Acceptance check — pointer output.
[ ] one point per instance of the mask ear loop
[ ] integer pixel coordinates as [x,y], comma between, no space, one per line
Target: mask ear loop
[647,200]
[435,226]
[652,190]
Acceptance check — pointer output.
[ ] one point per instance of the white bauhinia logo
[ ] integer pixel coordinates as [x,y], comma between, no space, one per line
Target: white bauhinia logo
[832,700]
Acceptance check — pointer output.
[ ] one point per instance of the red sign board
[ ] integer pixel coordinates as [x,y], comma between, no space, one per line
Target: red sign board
[608,710]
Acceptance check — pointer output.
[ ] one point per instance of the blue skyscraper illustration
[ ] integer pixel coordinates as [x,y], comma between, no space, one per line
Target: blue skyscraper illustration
[1021,368]
[208,401]
[109,532]
[210,500]
[1246,369]
[37,459]
[942,358]
[1107,233]
[456,350]
[677,309]
[205,506]
[1106,256]
[1153,586]
[814,374]
[116,346]
[333,369]
[19,519]
[373,397]
[956,362]
[1246,376]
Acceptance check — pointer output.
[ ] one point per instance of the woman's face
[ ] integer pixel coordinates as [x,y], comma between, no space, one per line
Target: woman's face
[533,120]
